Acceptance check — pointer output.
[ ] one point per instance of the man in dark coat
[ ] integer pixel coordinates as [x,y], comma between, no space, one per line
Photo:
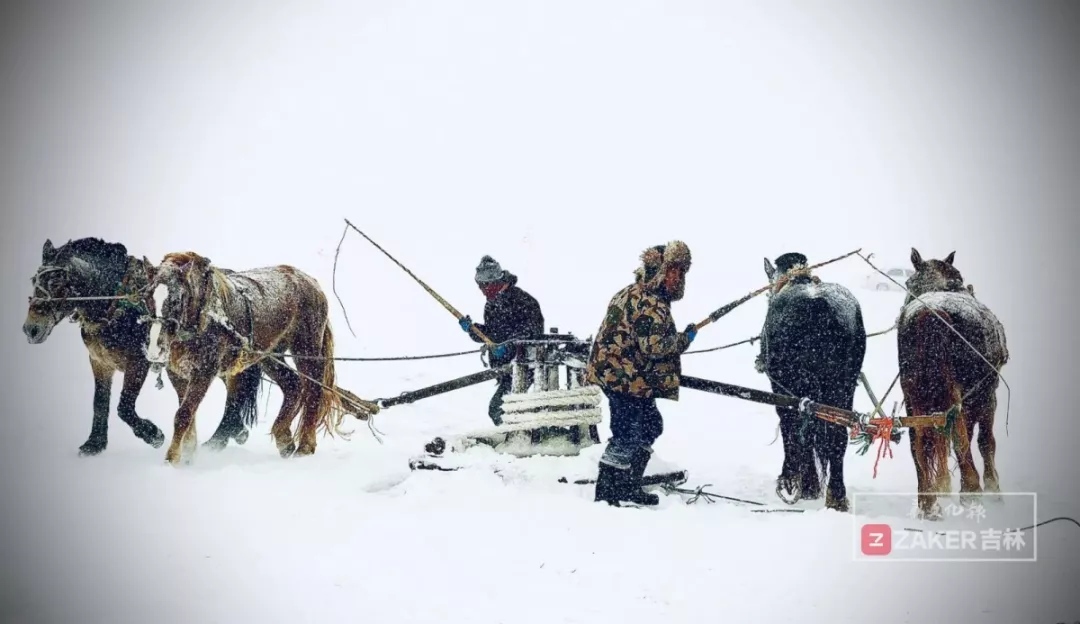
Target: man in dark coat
[636,359]
[509,314]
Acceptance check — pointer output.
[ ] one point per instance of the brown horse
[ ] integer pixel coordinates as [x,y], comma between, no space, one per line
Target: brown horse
[81,280]
[939,371]
[212,322]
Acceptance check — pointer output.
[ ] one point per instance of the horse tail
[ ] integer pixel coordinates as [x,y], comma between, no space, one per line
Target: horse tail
[247,386]
[933,388]
[330,412]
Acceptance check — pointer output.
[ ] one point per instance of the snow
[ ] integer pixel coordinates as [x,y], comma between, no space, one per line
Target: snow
[351,531]
[562,139]
[963,305]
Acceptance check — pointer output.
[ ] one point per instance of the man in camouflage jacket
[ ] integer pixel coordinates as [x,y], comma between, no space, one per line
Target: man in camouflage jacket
[635,359]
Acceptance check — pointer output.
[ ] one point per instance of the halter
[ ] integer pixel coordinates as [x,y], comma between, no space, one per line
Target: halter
[36,281]
[184,334]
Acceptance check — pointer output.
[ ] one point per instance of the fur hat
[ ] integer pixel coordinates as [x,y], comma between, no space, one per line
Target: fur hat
[656,260]
[789,261]
[489,271]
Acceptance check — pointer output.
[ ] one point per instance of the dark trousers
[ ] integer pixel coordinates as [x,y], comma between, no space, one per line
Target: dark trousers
[505,384]
[636,423]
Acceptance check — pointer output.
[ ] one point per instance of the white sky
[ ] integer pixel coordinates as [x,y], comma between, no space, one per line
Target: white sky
[560,137]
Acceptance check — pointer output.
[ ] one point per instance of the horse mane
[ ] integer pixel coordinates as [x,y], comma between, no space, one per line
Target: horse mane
[219,282]
[111,255]
[798,274]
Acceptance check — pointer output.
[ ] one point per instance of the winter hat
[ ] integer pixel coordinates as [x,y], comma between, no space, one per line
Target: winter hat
[789,261]
[655,260]
[489,271]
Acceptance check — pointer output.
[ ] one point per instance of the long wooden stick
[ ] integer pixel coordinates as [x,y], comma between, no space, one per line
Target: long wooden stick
[444,302]
[715,316]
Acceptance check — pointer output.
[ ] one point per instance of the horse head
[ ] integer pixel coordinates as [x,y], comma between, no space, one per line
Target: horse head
[176,294]
[88,267]
[933,276]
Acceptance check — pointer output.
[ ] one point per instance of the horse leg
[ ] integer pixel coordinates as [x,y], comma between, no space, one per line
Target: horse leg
[183,443]
[135,373]
[920,452]
[984,415]
[969,477]
[811,447]
[241,403]
[289,384]
[230,420]
[312,399]
[320,404]
[99,428]
[834,447]
[790,474]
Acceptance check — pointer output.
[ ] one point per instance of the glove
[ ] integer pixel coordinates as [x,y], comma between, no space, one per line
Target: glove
[498,351]
[691,332]
[759,364]
[466,323]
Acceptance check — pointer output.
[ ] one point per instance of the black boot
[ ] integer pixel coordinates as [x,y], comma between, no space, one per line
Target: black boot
[611,484]
[634,493]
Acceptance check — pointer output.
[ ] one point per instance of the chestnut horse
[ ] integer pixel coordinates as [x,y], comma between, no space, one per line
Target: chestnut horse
[812,346]
[212,322]
[80,280]
[939,371]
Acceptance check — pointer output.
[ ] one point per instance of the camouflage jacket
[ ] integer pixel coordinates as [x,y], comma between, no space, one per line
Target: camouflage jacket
[637,348]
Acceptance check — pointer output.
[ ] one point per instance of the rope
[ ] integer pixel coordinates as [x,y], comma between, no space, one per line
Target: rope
[378,359]
[132,298]
[333,281]
[710,497]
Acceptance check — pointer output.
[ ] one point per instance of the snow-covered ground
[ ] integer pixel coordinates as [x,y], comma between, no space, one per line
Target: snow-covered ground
[352,534]
[563,139]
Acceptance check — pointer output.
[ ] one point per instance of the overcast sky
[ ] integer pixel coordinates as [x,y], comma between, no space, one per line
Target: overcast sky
[560,137]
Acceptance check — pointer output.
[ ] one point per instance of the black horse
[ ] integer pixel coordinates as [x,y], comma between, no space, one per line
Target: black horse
[80,280]
[812,346]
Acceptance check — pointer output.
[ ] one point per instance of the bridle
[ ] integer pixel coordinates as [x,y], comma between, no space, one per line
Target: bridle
[38,287]
[181,332]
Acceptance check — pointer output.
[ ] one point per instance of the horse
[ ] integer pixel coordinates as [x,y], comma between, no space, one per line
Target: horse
[212,322]
[81,280]
[812,346]
[939,371]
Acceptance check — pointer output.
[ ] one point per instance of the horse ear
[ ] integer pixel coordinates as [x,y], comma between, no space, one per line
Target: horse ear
[770,270]
[916,259]
[949,258]
[48,251]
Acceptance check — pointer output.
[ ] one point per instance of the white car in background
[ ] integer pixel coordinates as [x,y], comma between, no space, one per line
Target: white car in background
[877,281]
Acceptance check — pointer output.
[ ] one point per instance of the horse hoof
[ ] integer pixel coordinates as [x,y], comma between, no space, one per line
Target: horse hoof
[91,448]
[842,506]
[970,499]
[216,444]
[791,485]
[305,450]
[241,437]
[288,451]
